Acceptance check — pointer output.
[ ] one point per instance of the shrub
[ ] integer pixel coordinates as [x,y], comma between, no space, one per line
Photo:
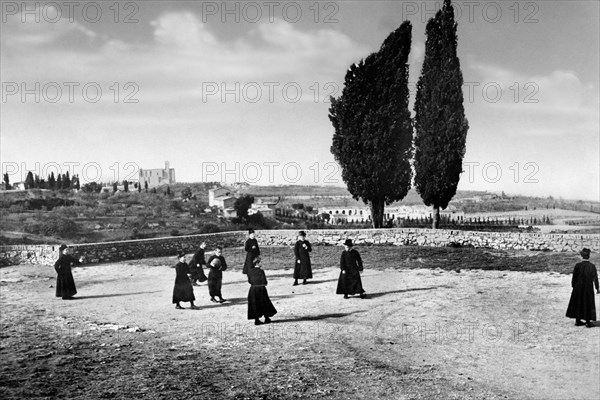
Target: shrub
[59,226]
[174,232]
[210,228]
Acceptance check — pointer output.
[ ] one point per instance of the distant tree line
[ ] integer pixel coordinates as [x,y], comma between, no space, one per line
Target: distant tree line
[58,182]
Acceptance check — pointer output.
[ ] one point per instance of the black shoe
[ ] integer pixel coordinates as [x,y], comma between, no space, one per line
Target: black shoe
[213,300]
[267,320]
[579,323]
[345,296]
[222,301]
[363,295]
[304,283]
[258,322]
[194,308]
[178,307]
[295,283]
[589,325]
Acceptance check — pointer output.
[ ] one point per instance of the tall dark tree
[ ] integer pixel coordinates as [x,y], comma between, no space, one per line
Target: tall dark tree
[242,204]
[440,122]
[75,183]
[59,181]
[51,181]
[373,128]
[6,181]
[115,187]
[29,181]
[36,181]
[146,186]
[66,181]
[125,186]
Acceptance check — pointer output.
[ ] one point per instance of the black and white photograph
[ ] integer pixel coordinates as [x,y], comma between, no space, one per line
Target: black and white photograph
[309,199]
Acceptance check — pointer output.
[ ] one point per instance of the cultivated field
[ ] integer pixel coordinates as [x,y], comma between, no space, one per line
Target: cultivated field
[438,323]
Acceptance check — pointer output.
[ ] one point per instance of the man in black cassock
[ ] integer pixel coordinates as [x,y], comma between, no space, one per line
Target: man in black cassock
[349,282]
[216,265]
[65,284]
[183,290]
[302,266]
[259,303]
[582,303]
[197,264]
[252,251]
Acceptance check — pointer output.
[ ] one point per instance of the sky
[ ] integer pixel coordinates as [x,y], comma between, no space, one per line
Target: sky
[239,90]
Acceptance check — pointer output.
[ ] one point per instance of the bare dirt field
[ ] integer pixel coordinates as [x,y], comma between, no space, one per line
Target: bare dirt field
[438,323]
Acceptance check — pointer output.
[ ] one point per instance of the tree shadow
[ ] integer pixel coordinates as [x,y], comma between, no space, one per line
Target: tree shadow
[380,294]
[315,317]
[314,282]
[243,300]
[98,296]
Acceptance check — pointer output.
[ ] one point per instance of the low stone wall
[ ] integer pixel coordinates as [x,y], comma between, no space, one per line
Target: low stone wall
[168,246]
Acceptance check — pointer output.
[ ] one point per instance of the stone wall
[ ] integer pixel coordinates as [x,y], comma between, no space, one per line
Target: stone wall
[168,246]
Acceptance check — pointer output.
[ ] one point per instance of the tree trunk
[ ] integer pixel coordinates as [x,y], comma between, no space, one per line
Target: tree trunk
[377,207]
[436,217]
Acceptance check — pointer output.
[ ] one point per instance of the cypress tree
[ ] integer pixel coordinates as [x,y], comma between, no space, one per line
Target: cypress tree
[373,127]
[440,123]
[29,182]
[51,181]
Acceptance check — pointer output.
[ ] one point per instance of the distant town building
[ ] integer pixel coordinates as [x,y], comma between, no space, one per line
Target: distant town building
[18,186]
[218,194]
[157,177]
[265,209]
[363,214]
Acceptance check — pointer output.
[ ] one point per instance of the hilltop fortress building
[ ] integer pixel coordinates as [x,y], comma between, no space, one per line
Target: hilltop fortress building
[157,177]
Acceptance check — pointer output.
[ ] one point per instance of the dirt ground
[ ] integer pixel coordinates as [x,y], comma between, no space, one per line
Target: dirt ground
[428,330]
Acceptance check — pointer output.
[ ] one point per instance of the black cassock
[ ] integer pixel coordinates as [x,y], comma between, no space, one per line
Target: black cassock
[349,282]
[252,251]
[65,284]
[215,276]
[196,264]
[302,269]
[259,303]
[183,290]
[582,303]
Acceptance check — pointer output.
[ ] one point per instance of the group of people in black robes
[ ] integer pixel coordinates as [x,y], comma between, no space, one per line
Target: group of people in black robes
[582,304]
[186,276]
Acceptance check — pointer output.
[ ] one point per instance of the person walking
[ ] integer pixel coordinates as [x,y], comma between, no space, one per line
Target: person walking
[351,265]
[65,284]
[582,305]
[252,251]
[259,303]
[197,264]
[302,266]
[183,289]
[216,265]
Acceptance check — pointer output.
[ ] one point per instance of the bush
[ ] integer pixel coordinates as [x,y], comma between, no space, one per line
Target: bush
[59,226]
[210,228]
[174,232]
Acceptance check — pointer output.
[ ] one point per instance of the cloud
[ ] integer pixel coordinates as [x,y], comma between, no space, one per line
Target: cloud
[556,103]
[44,26]
[182,30]
[417,53]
